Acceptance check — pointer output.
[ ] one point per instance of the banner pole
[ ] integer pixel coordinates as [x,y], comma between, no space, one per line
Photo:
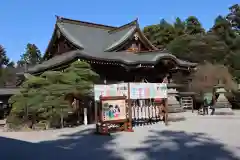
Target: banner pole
[166,111]
[129,110]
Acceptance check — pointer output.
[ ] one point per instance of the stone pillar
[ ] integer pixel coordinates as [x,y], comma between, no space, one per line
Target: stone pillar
[85,116]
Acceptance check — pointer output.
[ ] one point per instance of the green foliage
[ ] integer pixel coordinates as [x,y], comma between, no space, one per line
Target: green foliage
[44,97]
[14,122]
[223,29]
[6,67]
[3,57]
[188,40]
[179,27]
[234,17]
[164,33]
[161,34]
[199,48]
[31,95]
[193,26]
[31,56]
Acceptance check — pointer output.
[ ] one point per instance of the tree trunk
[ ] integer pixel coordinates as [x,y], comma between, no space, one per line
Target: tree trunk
[62,118]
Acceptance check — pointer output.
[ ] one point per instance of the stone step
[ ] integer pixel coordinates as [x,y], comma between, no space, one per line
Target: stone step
[175,109]
[223,111]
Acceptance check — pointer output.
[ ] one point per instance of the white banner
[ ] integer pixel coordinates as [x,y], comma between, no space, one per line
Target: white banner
[159,90]
[140,90]
[99,90]
[122,89]
[111,90]
[137,90]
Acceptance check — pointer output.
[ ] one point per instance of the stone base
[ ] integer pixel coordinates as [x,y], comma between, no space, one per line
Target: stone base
[175,109]
[174,117]
[223,111]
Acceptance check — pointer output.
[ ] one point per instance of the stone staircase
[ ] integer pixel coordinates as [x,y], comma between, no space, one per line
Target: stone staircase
[175,108]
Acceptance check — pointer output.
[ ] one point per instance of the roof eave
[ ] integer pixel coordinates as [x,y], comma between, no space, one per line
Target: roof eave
[8,91]
[57,28]
[51,42]
[43,68]
[68,37]
[82,54]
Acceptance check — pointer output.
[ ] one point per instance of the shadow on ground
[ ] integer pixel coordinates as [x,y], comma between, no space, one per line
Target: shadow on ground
[81,145]
[166,145]
[172,145]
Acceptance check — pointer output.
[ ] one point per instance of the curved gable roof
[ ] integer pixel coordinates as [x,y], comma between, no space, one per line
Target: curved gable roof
[118,38]
[96,37]
[95,41]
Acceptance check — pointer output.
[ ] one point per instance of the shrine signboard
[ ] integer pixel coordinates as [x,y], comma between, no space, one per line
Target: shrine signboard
[113,109]
[137,90]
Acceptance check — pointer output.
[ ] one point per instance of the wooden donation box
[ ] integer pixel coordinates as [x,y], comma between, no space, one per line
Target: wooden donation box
[112,115]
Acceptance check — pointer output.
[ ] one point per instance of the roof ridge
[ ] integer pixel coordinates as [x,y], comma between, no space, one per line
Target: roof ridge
[134,22]
[90,24]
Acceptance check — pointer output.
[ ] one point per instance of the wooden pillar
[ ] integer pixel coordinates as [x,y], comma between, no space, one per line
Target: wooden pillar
[192,104]
[96,111]
[166,111]
[129,101]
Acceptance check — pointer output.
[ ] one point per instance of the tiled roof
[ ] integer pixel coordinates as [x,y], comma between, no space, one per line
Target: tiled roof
[120,57]
[8,91]
[99,42]
[94,38]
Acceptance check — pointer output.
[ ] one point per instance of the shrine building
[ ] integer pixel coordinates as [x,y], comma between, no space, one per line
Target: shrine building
[124,50]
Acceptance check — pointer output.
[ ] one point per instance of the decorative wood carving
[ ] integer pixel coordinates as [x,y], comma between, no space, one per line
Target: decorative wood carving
[133,46]
[61,45]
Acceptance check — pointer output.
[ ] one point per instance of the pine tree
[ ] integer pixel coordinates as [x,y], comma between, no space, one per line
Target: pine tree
[32,56]
[45,97]
[193,26]
[179,27]
[222,28]
[6,67]
[200,48]
[3,57]
[234,17]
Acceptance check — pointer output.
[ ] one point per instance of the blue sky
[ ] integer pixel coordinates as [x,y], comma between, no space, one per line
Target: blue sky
[28,21]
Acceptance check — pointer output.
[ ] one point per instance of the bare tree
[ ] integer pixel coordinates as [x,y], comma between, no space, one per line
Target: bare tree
[207,76]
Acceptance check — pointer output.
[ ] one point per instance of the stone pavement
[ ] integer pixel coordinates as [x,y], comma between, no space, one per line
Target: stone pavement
[198,137]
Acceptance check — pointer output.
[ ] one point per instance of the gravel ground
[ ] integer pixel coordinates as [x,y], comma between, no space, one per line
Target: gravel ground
[198,137]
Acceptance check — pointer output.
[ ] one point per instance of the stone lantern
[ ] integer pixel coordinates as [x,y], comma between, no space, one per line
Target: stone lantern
[222,105]
[173,104]
[222,101]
